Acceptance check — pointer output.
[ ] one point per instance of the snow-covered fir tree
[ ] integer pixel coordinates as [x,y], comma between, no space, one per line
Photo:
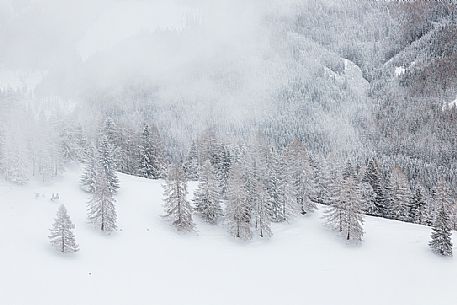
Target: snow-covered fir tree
[207,196]
[374,178]
[150,156]
[106,160]
[389,206]
[61,234]
[321,181]
[417,208]
[101,207]
[441,242]
[88,177]
[443,197]
[191,165]
[238,215]
[176,206]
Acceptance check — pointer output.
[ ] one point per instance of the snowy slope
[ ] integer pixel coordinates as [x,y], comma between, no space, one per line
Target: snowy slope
[146,262]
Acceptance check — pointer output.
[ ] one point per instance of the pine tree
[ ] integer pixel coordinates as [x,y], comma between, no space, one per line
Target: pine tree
[177,208]
[238,210]
[417,208]
[441,242]
[62,237]
[207,196]
[101,209]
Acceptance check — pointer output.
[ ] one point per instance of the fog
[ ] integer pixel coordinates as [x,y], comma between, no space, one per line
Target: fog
[200,52]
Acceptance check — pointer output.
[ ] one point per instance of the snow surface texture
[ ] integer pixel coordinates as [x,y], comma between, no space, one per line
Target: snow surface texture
[147,262]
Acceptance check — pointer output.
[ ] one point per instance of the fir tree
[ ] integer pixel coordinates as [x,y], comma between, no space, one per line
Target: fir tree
[106,160]
[88,177]
[238,210]
[150,156]
[62,237]
[177,208]
[101,209]
[417,208]
[373,177]
[441,242]
[207,196]
[191,164]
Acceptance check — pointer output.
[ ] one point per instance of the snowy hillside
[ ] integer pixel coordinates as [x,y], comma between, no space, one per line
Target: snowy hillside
[147,262]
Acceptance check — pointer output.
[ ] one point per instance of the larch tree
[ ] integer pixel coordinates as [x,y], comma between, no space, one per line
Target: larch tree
[61,234]
[260,210]
[207,199]
[345,213]
[176,206]
[441,242]
[238,215]
[101,207]
[301,176]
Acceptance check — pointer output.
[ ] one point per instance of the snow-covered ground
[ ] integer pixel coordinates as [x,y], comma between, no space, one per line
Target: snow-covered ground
[147,262]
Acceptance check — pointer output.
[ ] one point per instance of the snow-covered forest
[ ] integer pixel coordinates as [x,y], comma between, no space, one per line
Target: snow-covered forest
[239,122]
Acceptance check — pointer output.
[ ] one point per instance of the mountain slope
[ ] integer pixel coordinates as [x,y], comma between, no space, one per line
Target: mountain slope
[146,262]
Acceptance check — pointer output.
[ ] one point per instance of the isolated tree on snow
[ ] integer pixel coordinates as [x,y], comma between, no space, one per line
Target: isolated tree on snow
[101,208]
[207,196]
[62,237]
[238,209]
[441,242]
[177,208]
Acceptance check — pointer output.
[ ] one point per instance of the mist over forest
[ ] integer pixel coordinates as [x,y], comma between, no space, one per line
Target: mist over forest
[206,146]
